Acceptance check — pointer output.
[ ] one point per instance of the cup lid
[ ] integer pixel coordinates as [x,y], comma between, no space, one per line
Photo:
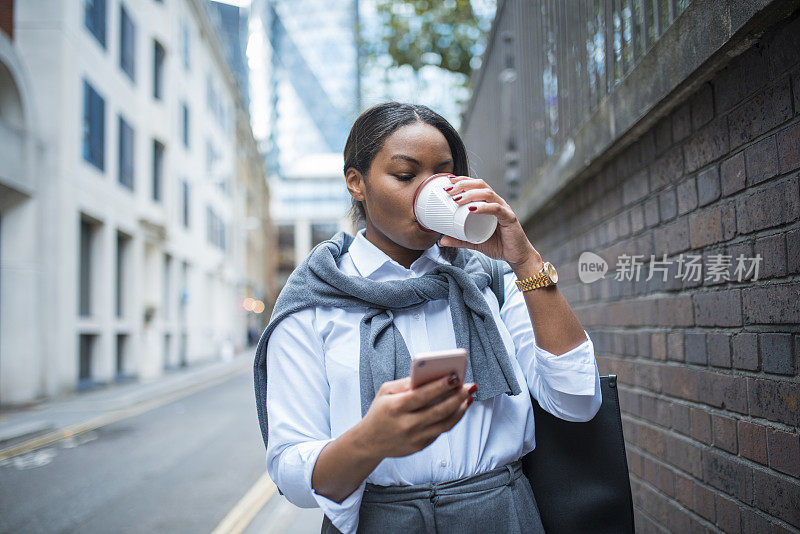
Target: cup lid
[419,189]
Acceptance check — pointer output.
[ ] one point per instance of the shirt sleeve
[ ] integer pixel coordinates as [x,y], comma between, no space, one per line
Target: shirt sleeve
[298,412]
[566,385]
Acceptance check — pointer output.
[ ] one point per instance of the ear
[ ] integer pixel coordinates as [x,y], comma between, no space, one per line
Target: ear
[355,184]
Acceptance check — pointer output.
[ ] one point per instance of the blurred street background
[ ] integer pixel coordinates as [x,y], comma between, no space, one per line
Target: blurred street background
[166,164]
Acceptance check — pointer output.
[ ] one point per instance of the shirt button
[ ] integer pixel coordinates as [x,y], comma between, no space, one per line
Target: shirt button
[443,463]
[417,316]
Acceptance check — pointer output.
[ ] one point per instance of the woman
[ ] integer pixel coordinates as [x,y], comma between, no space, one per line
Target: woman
[343,428]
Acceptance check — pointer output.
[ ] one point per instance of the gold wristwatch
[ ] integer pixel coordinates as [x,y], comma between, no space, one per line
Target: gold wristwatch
[544,278]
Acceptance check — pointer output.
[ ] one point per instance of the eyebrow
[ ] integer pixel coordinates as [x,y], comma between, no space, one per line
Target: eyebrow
[416,162]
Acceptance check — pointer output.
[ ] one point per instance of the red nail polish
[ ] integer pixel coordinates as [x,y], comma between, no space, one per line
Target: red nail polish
[473,388]
[473,208]
[458,197]
[448,188]
[470,400]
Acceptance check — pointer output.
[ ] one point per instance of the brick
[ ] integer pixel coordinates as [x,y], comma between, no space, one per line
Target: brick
[732,174]
[701,425]
[718,308]
[675,311]
[740,79]
[773,253]
[728,519]
[745,351]
[651,212]
[763,112]
[667,169]
[681,419]
[753,522]
[793,251]
[753,441]
[647,147]
[708,144]
[713,225]
[672,237]
[729,474]
[796,91]
[724,432]
[637,218]
[761,160]
[768,206]
[668,204]
[708,188]
[695,343]
[772,304]
[658,345]
[704,502]
[724,391]
[665,480]
[675,346]
[702,104]
[789,148]
[687,196]
[655,410]
[683,490]
[662,135]
[681,122]
[783,449]
[775,400]
[719,350]
[635,188]
[777,496]
[776,353]
[683,454]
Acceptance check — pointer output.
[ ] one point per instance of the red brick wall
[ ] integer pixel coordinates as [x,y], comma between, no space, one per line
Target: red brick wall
[708,370]
[7,17]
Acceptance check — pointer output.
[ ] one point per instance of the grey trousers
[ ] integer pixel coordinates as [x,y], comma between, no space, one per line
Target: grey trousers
[500,500]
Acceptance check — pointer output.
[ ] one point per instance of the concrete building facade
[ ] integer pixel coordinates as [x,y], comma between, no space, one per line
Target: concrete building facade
[124,222]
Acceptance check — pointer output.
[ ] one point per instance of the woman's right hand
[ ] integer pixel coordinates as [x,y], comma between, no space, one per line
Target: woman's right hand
[402,420]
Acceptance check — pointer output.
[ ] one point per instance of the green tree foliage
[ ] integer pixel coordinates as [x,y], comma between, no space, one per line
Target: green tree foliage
[443,33]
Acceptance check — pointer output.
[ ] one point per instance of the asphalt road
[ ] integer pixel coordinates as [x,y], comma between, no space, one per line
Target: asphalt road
[180,467]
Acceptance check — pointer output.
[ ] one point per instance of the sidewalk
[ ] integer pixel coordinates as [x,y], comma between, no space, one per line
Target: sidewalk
[64,417]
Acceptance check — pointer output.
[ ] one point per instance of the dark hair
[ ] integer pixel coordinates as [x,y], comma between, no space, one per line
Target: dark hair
[373,126]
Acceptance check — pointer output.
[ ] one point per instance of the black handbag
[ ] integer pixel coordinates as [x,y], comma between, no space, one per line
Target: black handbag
[579,472]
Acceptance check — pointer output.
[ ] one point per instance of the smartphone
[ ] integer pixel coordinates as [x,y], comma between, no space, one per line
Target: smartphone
[428,366]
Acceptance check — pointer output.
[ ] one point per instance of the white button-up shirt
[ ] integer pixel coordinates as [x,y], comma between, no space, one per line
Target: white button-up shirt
[313,388]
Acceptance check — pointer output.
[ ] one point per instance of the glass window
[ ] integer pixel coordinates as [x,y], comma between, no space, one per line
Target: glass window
[125,153]
[158,70]
[185,124]
[186,203]
[94,17]
[127,43]
[93,127]
[185,45]
[158,169]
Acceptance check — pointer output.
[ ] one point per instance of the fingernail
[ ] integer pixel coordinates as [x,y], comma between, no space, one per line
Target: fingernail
[469,401]
[448,188]
[453,380]
[473,388]
[458,197]
[473,208]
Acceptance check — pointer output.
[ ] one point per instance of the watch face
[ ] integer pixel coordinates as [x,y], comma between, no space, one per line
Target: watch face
[551,272]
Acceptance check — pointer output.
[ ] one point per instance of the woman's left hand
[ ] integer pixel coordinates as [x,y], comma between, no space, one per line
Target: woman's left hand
[509,241]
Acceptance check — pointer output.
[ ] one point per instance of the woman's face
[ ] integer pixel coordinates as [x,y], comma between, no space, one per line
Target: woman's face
[409,155]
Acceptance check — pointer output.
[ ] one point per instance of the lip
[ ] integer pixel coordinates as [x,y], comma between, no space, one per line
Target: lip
[416,194]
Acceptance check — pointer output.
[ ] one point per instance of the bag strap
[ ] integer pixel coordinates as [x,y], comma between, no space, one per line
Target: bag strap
[492,267]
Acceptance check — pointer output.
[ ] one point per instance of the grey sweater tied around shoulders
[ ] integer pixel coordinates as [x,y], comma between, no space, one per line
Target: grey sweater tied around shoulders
[384,356]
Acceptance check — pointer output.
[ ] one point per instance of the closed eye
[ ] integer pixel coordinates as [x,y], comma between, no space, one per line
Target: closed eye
[404,177]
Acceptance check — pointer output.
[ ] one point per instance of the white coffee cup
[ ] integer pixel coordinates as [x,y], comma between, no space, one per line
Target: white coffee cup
[436,211]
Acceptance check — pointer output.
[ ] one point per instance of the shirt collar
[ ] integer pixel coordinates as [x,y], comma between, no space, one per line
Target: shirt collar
[368,258]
